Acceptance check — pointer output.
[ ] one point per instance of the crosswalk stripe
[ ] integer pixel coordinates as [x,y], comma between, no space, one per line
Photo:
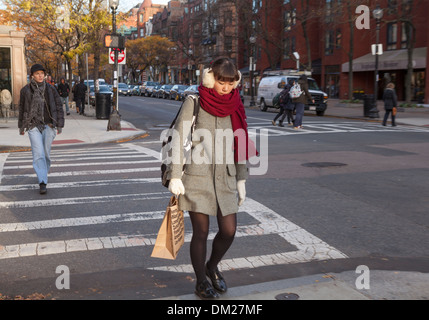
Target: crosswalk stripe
[77,184]
[83,200]
[84,173]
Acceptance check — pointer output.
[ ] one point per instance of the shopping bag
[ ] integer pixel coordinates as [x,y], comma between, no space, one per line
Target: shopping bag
[394,111]
[171,234]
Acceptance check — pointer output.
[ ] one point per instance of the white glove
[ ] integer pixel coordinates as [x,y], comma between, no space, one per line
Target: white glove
[176,187]
[241,188]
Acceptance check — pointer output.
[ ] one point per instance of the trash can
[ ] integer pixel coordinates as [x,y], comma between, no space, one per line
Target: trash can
[368,104]
[103,104]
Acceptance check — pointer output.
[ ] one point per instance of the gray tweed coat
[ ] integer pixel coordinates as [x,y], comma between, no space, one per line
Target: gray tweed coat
[210,177]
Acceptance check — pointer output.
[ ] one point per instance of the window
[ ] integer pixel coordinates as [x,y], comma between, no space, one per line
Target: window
[289,19]
[329,42]
[338,38]
[392,36]
[5,69]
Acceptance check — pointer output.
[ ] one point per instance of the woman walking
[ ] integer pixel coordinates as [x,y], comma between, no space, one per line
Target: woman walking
[216,172]
[301,101]
[41,114]
[390,103]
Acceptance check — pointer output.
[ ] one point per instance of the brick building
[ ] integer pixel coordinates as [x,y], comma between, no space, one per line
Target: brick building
[323,33]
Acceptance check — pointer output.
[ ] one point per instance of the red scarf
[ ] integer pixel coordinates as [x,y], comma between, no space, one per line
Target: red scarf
[230,105]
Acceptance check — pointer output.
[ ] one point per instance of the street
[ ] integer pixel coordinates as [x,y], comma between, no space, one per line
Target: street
[331,197]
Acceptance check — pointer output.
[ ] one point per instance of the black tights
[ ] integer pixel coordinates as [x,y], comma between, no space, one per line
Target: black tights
[221,242]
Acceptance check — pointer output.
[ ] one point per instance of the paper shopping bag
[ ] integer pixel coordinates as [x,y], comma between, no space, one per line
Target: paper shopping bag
[171,234]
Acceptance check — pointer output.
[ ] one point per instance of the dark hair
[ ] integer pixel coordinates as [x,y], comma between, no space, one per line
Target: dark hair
[224,69]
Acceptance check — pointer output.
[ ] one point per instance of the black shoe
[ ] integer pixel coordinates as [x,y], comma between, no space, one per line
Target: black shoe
[68,113]
[281,124]
[205,290]
[217,280]
[42,188]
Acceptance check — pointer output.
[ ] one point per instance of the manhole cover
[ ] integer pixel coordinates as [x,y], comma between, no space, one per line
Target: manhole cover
[323,164]
[287,296]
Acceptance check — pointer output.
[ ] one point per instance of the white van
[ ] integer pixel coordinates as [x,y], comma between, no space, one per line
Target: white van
[270,86]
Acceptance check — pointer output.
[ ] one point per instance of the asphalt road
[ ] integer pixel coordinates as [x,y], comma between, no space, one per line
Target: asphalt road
[333,196]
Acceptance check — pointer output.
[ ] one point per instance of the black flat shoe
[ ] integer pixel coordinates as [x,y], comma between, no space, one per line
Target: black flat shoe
[42,188]
[217,280]
[205,290]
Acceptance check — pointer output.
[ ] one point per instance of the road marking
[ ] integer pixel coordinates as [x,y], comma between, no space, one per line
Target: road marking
[84,173]
[78,184]
[309,247]
[83,200]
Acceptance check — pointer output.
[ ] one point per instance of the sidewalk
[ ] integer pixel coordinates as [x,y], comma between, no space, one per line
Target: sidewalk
[78,130]
[383,285]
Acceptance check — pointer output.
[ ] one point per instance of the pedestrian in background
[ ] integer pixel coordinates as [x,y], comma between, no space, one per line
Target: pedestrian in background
[64,90]
[390,103]
[301,101]
[210,188]
[79,94]
[41,115]
[286,105]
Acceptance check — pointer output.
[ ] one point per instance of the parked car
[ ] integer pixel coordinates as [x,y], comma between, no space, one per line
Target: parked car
[147,87]
[102,89]
[155,91]
[164,91]
[123,89]
[270,86]
[191,90]
[135,91]
[176,93]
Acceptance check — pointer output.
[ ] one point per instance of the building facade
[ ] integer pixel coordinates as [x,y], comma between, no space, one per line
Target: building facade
[332,39]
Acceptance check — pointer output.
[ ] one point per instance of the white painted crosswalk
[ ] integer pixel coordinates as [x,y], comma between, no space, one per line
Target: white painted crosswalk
[263,127]
[78,179]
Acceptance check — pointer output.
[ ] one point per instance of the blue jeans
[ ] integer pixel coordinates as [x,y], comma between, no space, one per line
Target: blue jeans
[299,109]
[41,149]
[65,100]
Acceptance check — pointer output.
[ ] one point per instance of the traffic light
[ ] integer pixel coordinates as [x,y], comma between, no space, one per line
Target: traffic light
[114,41]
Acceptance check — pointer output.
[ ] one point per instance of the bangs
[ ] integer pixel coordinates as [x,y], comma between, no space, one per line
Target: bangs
[225,70]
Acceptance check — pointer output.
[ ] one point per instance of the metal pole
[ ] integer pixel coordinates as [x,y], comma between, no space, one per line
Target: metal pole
[115,67]
[87,77]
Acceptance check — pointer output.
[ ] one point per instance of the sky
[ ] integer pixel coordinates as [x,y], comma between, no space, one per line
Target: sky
[125,5]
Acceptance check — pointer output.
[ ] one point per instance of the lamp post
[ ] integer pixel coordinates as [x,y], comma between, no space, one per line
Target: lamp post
[377,14]
[114,5]
[252,64]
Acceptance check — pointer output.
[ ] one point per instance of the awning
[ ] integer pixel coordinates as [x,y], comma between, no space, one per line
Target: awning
[389,60]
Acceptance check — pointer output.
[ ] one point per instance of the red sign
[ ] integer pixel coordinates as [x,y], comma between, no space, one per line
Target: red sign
[121,56]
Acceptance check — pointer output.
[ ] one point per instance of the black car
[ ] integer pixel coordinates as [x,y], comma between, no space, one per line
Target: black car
[176,93]
[155,91]
[191,90]
[164,91]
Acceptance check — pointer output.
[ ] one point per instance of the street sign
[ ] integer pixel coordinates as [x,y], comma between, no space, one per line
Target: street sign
[377,49]
[121,56]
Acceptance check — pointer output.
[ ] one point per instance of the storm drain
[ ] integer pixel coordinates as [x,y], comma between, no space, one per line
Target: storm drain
[287,296]
[323,164]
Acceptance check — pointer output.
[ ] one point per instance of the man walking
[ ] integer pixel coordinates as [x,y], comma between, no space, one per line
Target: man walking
[64,90]
[41,114]
[79,94]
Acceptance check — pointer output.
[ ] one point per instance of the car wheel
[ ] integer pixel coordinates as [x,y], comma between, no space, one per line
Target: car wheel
[320,113]
[263,106]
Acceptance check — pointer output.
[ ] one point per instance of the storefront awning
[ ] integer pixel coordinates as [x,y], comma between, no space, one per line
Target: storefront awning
[389,60]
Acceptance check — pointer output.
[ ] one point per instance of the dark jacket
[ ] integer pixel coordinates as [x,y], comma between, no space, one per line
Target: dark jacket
[390,99]
[55,107]
[286,97]
[79,90]
[64,89]
[305,96]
